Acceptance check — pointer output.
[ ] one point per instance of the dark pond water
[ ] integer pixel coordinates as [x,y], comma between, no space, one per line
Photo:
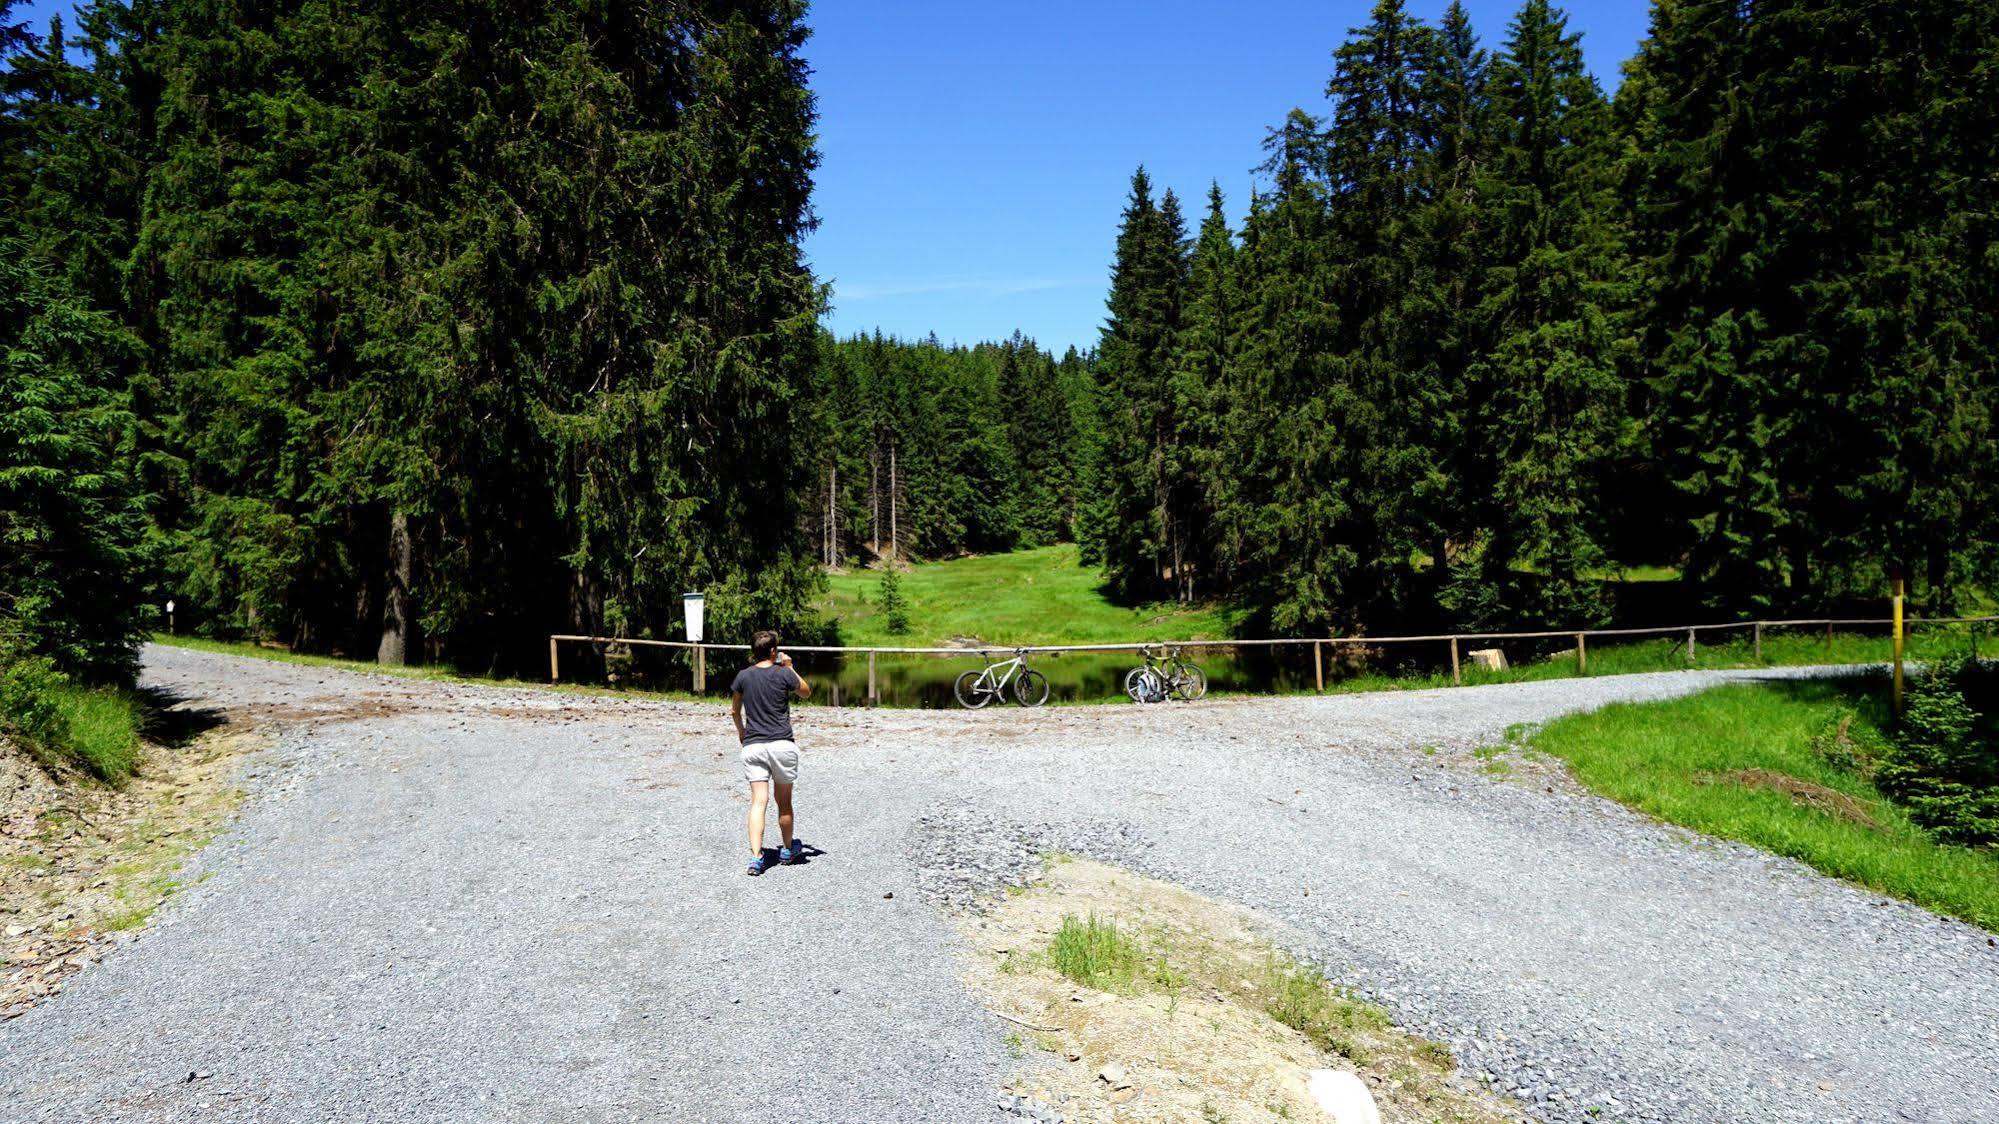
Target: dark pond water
[925,681]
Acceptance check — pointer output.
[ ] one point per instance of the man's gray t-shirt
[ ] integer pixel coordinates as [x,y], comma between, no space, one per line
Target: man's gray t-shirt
[766,695]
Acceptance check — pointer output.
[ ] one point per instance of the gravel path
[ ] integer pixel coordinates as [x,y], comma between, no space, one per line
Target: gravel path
[448,902]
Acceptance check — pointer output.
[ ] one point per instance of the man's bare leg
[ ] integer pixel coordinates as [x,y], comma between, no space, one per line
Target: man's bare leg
[783,794]
[759,795]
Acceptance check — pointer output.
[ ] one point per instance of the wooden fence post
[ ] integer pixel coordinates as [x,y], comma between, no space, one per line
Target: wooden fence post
[700,669]
[554,666]
[1319,664]
[1457,676]
[1582,656]
[873,698]
[1691,660]
[1759,641]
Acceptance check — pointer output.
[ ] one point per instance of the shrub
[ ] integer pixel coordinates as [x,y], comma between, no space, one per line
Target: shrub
[1944,762]
[28,705]
[67,725]
[895,610]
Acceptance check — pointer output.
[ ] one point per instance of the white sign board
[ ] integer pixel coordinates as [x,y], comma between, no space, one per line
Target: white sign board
[692,605]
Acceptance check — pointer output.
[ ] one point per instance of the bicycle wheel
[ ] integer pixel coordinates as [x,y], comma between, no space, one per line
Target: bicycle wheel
[1031,688]
[971,690]
[1191,683]
[1144,685]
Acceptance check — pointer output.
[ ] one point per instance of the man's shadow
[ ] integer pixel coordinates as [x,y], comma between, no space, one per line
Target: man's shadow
[806,853]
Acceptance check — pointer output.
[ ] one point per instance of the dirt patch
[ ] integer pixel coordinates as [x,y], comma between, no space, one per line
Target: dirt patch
[81,862]
[322,708]
[1208,1021]
[1804,793]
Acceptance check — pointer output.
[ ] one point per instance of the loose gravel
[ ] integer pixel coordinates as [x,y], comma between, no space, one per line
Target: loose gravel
[451,902]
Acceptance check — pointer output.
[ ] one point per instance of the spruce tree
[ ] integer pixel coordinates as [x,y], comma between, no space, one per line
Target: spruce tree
[1203,360]
[72,527]
[1131,524]
[1552,412]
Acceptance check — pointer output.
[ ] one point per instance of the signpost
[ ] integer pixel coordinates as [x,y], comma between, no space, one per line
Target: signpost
[170,617]
[1898,639]
[694,609]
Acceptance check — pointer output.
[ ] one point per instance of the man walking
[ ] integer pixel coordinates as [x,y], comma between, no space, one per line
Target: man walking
[760,702]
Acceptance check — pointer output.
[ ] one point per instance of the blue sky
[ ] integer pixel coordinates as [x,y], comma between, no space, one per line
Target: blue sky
[976,156]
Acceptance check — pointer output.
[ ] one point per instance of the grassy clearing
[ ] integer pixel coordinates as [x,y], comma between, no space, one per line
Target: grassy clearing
[1043,596]
[1739,762]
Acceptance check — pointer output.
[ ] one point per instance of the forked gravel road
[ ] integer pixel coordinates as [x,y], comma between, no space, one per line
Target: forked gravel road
[446,903]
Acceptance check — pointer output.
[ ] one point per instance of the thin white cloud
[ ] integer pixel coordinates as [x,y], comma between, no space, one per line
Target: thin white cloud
[983,286]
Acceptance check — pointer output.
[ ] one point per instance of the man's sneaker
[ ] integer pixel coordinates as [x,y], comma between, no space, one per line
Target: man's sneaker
[792,853]
[759,864]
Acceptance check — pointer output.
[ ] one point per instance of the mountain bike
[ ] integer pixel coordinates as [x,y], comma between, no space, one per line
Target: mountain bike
[1163,678]
[977,688]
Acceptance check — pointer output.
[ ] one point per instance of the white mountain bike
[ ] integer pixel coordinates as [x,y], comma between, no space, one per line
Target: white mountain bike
[977,688]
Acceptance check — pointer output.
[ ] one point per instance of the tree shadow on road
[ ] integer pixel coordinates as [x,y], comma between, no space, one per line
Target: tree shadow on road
[169,722]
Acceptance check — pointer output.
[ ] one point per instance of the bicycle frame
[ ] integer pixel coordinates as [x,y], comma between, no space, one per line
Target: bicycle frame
[996,685]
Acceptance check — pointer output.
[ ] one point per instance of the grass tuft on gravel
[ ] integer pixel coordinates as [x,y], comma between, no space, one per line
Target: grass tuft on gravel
[1095,953]
[1753,763]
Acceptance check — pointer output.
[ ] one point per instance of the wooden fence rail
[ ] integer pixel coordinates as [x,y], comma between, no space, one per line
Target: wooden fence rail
[1318,643]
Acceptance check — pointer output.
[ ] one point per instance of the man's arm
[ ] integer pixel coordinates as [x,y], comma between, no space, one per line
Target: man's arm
[736,712]
[804,688]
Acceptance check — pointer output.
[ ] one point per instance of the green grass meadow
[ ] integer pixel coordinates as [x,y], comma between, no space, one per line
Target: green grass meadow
[1042,596]
[1683,761]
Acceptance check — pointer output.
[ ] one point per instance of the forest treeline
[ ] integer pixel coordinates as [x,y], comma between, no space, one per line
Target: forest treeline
[419,331]
[1485,333]
[410,330]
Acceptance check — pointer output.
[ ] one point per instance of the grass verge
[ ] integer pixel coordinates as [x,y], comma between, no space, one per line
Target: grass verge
[1740,762]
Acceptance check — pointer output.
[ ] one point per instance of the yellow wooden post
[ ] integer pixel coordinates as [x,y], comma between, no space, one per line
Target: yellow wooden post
[1457,676]
[1582,656]
[872,696]
[700,669]
[554,667]
[1319,664]
[1898,643]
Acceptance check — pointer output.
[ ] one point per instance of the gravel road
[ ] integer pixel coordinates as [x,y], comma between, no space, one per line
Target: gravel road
[447,902]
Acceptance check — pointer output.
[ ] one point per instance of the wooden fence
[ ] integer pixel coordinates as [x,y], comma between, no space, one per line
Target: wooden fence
[1456,640]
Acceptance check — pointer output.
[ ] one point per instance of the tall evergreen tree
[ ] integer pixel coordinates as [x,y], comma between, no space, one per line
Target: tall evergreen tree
[1807,198]
[72,526]
[1130,526]
[1552,415]
[1382,144]
[1203,361]
[1289,437]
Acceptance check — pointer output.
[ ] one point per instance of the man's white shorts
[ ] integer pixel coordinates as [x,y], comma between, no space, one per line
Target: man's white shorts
[771,761]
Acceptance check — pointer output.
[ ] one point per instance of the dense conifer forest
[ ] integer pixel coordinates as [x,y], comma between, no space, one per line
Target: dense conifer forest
[419,331]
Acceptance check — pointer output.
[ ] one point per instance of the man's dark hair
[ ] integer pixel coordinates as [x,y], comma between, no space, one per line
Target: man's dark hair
[763,644]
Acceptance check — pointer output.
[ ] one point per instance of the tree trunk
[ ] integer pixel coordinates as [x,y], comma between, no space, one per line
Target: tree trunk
[394,647]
